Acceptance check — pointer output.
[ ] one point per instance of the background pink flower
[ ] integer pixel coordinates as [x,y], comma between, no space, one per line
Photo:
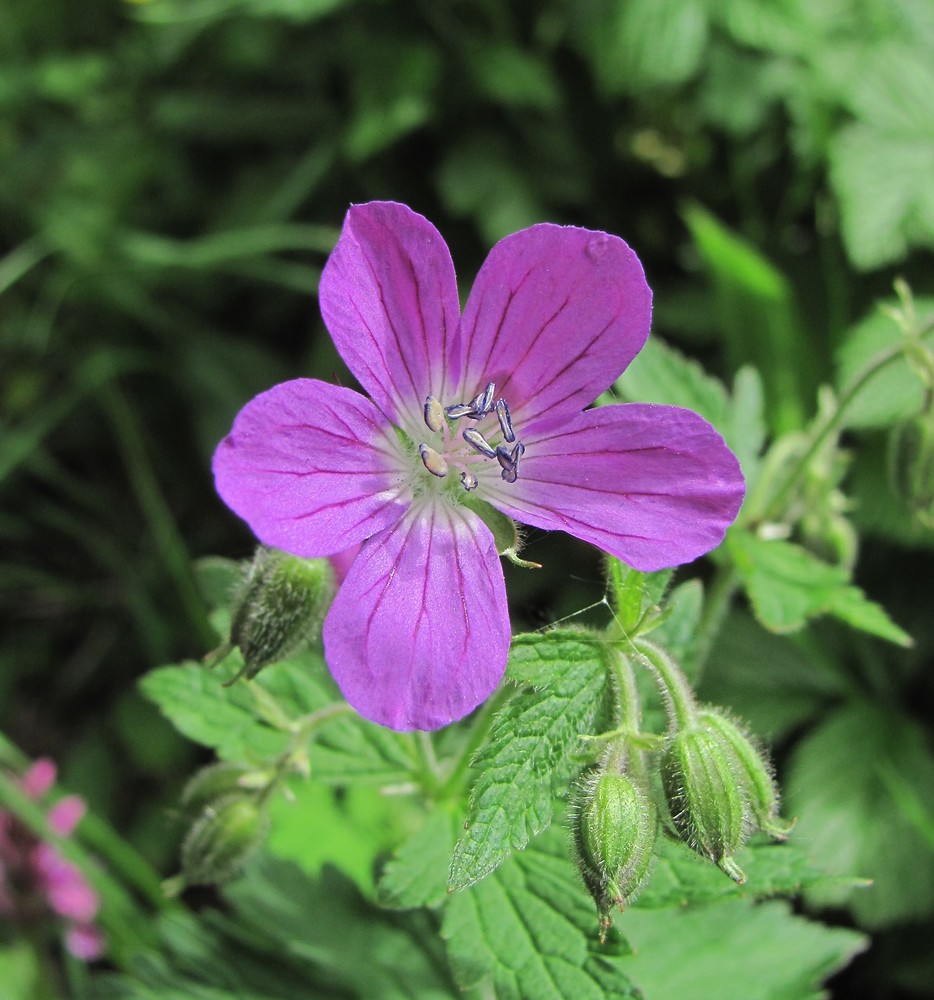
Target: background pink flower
[36,881]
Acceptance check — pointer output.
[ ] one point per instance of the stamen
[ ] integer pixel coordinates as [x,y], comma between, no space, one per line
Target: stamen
[457,410]
[509,461]
[434,414]
[479,443]
[468,480]
[505,420]
[482,403]
[433,461]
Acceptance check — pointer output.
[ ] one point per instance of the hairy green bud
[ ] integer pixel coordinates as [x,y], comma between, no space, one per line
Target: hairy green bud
[754,768]
[280,608]
[222,840]
[706,797]
[219,780]
[614,835]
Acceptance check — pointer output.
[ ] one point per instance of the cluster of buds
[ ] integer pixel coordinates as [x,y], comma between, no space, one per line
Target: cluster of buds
[707,778]
[278,608]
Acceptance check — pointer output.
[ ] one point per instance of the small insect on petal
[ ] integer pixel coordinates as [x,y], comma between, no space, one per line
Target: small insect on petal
[468,481]
[479,443]
[505,420]
[433,461]
[434,414]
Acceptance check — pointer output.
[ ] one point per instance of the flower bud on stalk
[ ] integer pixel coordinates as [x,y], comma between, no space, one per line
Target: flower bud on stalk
[222,840]
[706,798]
[614,835]
[911,464]
[755,770]
[279,611]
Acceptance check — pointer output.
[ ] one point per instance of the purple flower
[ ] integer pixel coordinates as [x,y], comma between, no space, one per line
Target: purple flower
[488,406]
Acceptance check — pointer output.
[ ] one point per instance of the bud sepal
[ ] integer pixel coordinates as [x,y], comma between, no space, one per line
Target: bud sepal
[706,797]
[279,608]
[615,828]
[222,839]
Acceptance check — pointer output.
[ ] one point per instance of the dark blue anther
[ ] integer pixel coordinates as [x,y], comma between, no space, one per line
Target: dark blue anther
[457,410]
[482,403]
[505,420]
[479,443]
[468,480]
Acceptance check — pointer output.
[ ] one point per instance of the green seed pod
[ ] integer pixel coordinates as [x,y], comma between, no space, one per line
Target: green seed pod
[911,464]
[706,797]
[752,764]
[280,608]
[614,835]
[222,840]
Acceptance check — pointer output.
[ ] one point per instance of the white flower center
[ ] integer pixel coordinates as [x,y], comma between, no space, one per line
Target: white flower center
[451,450]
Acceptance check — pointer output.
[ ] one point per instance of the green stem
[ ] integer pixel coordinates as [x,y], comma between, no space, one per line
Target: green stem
[626,710]
[429,772]
[674,685]
[168,541]
[717,598]
[475,738]
[832,422]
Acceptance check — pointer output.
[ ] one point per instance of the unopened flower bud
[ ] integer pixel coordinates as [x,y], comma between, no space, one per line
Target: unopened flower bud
[614,835]
[706,797]
[755,770]
[911,464]
[282,603]
[218,781]
[222,840]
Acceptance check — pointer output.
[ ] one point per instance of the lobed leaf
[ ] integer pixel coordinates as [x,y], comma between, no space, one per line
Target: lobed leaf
[528,756]
[788,585]
[530,930]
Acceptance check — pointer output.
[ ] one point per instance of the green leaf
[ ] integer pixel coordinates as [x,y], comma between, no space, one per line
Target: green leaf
[681,877]
[757,318]
[736,950]
[882,165]
[351,829]
[250,720]
[346,943]
[638,44]
[896,391]
[417,874]
[530,930]
[787,585]
[678,631]
[224,719]
[527,759]
[858,812]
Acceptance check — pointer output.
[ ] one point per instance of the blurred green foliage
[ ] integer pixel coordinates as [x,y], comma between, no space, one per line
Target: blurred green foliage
[172,176]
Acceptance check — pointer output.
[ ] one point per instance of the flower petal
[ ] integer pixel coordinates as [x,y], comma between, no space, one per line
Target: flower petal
[312,468]
[388,296]
[655,485]
[555,315]
[419,632]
